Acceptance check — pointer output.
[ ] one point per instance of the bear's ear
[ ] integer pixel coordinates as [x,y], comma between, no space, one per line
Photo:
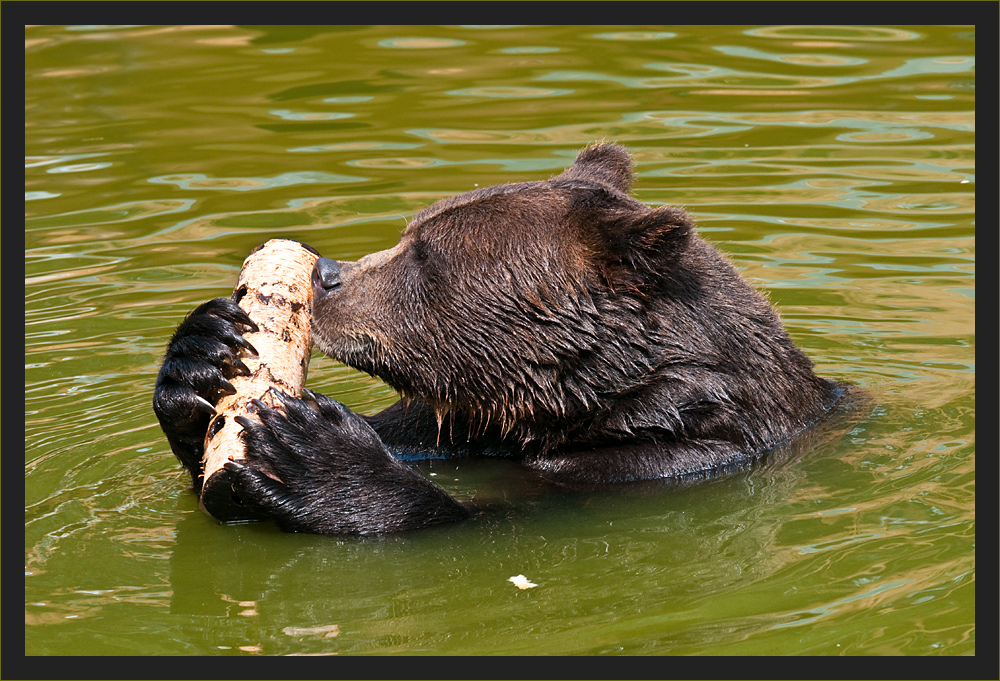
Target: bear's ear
[609,164]
[645,238]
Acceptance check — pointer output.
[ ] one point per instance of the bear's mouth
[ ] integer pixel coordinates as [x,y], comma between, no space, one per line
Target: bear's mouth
[356,351]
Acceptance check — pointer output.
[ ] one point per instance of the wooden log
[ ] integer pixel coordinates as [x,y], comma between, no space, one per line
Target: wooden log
[275,289]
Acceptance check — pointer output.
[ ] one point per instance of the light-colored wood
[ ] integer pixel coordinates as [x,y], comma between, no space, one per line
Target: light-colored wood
[274,288]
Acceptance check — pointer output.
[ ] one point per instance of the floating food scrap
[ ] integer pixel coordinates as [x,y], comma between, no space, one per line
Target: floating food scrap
[521,582]
[325,631]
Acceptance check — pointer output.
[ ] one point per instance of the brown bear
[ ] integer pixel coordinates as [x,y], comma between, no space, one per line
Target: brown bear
[561,321]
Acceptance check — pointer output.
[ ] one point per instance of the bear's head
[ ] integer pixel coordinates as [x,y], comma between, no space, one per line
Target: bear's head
[531,306]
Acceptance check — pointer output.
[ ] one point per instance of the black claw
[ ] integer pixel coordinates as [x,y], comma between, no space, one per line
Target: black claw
[203,405]
[284,397]
[240,369]
[309,397]
[245,344]
[245,422]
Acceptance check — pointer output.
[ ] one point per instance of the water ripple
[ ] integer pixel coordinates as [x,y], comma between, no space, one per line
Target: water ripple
[202,182]
[834,33]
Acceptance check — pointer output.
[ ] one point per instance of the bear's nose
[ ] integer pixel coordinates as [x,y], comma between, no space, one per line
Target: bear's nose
[325,276]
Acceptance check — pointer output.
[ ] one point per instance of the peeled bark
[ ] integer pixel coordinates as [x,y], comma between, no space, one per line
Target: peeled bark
[274,288]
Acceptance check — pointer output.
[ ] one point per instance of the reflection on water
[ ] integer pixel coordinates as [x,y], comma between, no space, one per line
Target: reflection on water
[834,164]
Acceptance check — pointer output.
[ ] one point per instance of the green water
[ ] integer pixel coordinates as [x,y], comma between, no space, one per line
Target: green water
[835,165]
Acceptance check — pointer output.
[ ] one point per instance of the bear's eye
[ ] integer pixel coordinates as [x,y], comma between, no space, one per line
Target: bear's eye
[426,255]
[418,251]
[426,259]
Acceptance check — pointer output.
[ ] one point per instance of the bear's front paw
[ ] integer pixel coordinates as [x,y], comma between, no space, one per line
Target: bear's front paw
[316,466]
[202,355]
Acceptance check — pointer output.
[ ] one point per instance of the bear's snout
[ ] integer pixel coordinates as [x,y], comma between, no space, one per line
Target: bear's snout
[325,276]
